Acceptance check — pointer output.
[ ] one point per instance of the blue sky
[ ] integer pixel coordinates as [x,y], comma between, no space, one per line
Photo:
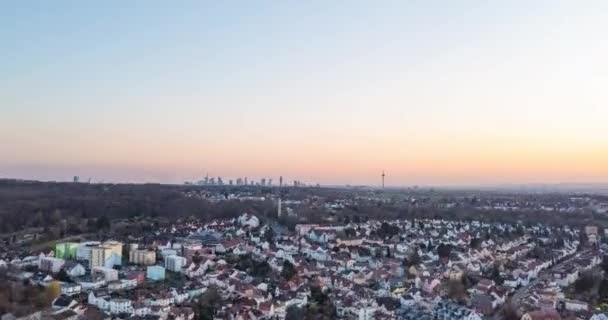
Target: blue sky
[432,91]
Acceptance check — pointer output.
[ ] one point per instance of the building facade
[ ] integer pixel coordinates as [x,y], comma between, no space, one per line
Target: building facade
[142,257]
[50,264]
[155,273]
[175,263]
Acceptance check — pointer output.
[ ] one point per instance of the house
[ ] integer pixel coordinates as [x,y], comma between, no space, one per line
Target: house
[575,305]
[317,253]
[592,234]
[482,303]
[228,245]
[70,289]
[117,306]
[546,314]
[483,286]
[321,236]
[40,278]
[63,302]
[88,283]
[195,270]
[249,220]
[109,274]
[122,284]
[511,281]
[66,314]
[138,276]
[179,296]
[183,313]
[74,269]
[241,250]
[429,285]
[140,309]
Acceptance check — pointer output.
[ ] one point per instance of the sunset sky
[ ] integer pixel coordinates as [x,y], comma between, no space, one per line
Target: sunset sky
[433,92]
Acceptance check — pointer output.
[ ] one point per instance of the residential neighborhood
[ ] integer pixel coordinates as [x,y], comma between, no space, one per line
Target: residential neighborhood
[254,268]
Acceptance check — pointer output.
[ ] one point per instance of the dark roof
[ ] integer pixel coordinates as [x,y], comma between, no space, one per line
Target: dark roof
[62,301]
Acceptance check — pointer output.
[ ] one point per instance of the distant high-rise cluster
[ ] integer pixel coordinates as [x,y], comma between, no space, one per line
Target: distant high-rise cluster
[219,181]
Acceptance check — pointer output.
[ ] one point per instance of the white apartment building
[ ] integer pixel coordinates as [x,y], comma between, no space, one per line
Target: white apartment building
[175,263]
[143,257]
[108,254]
[83,251]
[50,264]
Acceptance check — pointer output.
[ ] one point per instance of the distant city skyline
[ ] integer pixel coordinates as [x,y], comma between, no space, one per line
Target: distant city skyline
[432,92]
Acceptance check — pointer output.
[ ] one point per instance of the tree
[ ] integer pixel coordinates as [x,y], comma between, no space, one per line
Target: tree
[346,220]
[495,275]
[63,276]
[53,291]
[321,305]
[288,270]
[456,290]
[295,313]
[475,243]
[584,283]
[519,230]
[269,235]
[196,258]
[388,230]
[413,259]
[444,250]
[582,237]
[509,311]
[603,290]
[208,303]
[605,264]
[350,232]
[102,223]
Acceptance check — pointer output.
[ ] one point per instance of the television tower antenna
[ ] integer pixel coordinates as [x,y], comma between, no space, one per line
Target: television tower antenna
[383,175]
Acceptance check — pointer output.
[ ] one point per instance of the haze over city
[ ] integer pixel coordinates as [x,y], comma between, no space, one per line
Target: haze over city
[433,92]
[304,160]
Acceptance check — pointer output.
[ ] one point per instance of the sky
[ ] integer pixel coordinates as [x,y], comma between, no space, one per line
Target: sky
[432,92]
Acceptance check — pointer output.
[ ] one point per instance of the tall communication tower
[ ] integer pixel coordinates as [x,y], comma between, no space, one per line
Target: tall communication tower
[383,175]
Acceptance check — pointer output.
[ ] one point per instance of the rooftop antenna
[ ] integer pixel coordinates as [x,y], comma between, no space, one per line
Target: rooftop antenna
[383,175]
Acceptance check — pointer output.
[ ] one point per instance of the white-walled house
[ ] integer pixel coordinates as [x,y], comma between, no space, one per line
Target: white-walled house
[75,269]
